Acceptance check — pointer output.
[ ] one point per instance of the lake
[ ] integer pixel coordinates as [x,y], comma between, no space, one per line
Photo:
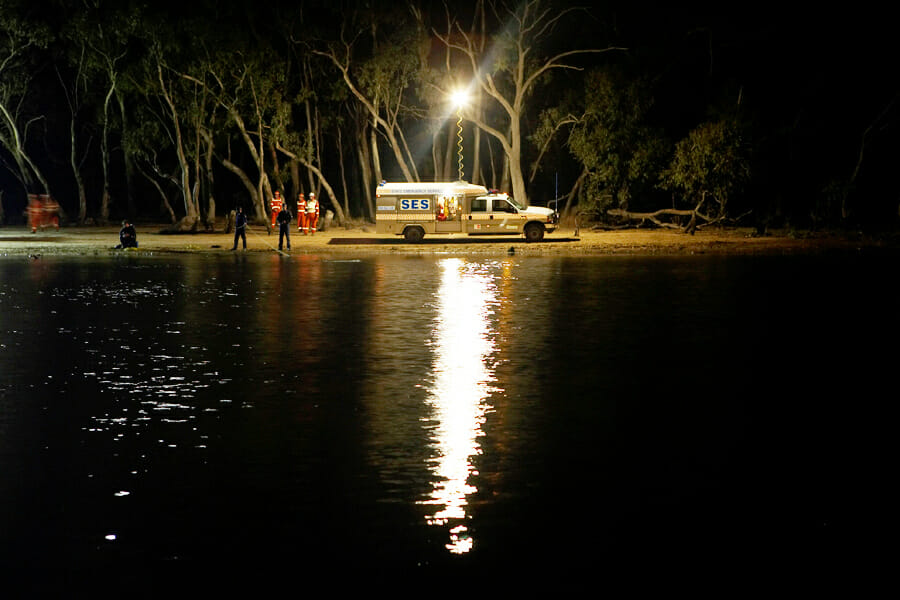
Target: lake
[440,415]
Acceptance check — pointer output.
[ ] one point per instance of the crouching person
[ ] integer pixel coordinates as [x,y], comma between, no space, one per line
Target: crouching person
[127,236]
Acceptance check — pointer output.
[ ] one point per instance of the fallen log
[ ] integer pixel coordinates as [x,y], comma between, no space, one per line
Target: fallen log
[655,217]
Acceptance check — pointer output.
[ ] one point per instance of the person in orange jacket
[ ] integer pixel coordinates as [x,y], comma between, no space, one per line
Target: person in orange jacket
[301,213]
[51,211]
[312,213]
[276,205]
[34,212]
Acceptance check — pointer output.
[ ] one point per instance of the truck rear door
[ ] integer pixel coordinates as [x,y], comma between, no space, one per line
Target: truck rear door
[448,214]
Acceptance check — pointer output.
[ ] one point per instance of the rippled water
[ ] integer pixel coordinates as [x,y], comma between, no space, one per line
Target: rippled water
[438,414]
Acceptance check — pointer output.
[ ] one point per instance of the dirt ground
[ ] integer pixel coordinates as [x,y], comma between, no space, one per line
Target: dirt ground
[18,240]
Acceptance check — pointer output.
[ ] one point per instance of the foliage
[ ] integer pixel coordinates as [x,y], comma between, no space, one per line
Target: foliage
[620,155]
[711,165]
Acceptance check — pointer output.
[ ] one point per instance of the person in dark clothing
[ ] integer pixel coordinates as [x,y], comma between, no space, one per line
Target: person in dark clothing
[284,219]
[127,236]
[240,228]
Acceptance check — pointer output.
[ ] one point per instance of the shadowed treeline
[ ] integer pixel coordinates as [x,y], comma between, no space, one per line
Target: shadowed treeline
[774,118]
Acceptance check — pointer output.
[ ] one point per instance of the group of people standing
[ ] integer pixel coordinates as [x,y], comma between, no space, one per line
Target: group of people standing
[307,212]
[307,219]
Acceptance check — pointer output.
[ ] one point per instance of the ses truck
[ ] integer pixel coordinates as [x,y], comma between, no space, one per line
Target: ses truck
[414,209]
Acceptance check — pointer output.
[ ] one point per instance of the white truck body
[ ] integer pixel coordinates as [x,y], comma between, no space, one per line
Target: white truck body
[414,209]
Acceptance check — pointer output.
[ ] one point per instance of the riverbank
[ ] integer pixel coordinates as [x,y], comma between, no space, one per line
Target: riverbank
[94,240]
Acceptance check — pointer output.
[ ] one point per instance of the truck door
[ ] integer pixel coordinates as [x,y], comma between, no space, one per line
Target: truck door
[448,214]
[504,217]
[478,216]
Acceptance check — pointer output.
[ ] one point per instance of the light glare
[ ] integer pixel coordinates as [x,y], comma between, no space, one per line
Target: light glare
[462,383]
[460,98]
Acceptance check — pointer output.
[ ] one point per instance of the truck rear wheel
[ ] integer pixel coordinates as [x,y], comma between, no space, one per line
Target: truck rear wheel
[414,235]
[534,232]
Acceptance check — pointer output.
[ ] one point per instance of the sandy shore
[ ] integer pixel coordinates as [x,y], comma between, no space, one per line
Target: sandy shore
[18,240]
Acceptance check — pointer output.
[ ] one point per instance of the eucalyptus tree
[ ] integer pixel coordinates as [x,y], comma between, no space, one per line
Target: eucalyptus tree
[619,154]
[376,56]
[89,53]
[508,71]
[170,78]
[302,133]
[305,149]
[170,90]
[146,143]
[442,83]
[163,95]
[145,138]
[107,42]
[247,85]
[21,44]
[368,173]
[74,86]
[710,166]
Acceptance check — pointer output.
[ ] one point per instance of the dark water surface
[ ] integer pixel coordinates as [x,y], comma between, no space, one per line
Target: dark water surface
[216,416]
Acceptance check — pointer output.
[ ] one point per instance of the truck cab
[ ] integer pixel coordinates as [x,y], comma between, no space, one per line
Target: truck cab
[498,213]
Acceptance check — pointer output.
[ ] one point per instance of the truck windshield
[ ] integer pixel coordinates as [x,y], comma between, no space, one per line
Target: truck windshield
[514,203]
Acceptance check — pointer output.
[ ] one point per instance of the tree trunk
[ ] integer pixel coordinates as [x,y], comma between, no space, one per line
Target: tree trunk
[76,172]
[504,176]
[127,157]
[436,160]
[276,170]
[515,166]
[295,179]
[477,177]
[310,130]
[104,152]
[368,183]
[244,178]
[376,158]
[28,171]
[210,186]
[319,144]
[263,189]
[191,213]
[450,165]
[167,208]
[570,197]
[322,180]
[493,160]
[340,145]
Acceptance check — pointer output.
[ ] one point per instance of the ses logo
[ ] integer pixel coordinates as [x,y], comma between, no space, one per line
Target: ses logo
[415,204]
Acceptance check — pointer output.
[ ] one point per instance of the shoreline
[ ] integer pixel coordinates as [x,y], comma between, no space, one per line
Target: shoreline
[100,240]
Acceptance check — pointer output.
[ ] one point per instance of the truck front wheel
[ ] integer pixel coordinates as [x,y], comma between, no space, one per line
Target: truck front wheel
[534,232]
[414,235]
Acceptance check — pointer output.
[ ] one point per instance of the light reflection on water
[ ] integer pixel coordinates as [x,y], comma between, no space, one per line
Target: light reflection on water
[142,384]
[461,381]
[153,359]
[413,411]
[133,364]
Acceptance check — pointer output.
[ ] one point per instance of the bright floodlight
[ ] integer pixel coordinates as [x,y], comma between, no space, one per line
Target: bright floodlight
[460,98]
